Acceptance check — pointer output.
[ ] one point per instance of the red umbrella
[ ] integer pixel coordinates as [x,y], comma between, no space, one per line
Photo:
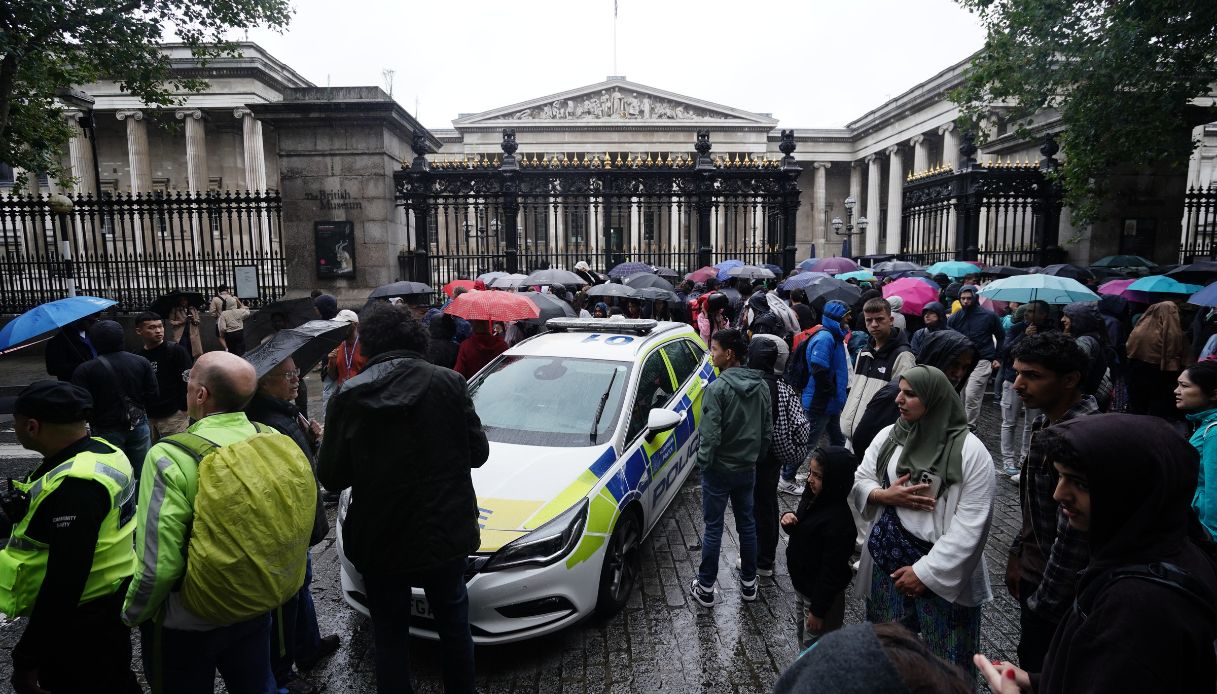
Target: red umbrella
[703,274]
[916,294]
[452,286]
[492,306]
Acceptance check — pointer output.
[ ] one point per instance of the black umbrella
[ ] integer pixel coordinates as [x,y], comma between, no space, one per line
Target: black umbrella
[613,289]
[1073,272]
[830,289]
[1005,271]
[1202,272]
[667,272]
[295,312]
[646,279]
[891,266]
[553,276]
[164,304]
[907,273]
[404,288]
[306,345]
[658,294]
[550,307]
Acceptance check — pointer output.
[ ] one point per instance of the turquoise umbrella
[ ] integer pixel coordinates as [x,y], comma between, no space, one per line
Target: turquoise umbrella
[1161,284]
[1048,288]
[953,268]
[860,275]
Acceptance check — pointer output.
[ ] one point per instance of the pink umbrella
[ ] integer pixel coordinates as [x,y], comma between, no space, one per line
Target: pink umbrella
[492,306]
[702,274]
[1120,288]
[834,266]
[916,294]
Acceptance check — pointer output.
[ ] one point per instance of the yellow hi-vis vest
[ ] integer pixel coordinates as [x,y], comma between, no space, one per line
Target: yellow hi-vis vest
[23,561]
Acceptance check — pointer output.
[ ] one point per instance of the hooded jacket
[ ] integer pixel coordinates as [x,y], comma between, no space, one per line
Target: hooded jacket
[822,542]
[403,436]
[736,421]
[828,364]
[1133,634]
[873,369]
[132,377]
[922,333]
[1205,442]
[1114,310]
[939,350]
[979,324]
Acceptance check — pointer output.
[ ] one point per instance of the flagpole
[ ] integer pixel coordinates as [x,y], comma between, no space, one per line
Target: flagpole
[614,37]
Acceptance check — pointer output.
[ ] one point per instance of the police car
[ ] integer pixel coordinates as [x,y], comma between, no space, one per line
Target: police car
[592,429]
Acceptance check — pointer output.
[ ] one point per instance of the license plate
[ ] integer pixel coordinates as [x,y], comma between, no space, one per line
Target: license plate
[420,608]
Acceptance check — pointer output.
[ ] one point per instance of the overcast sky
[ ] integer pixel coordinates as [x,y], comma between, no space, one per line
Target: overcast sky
[811,63]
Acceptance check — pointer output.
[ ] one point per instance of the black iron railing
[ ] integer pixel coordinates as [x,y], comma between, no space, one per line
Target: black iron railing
[1199,238]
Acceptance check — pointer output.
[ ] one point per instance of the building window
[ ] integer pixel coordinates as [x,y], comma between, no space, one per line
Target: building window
[576,225]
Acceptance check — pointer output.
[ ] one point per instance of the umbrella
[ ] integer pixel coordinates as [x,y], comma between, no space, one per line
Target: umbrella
[306,344]
[1160,284]
[556,276]
[726,266]
[489,277]
[916,294]
[492,306]
[294,311]
[613,289]
[1048,288]
[657,294]
[404,288]
[901,274]
[1205,297]
[1202,272]
[166,303]
[834,266]
[803,279]
[1004,271]
[508,281]
[454,284]
[806,264]
[829,289]
[776,270]
[890,266]
[646,279]
[1073,272]
[1124,261]
[1120,288]
[666,272]
[627,269]
[751,272]
[702,274]
[860,275]
[953,268]
[549,305]
[48,317]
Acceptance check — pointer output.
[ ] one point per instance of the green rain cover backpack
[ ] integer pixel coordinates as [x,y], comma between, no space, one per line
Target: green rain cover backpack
[253,515]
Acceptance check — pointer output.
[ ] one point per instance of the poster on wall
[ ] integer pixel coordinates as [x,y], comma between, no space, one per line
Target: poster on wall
[246,281]
[335,244]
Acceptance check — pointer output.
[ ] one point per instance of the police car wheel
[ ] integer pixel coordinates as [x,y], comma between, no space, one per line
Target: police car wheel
[622,565]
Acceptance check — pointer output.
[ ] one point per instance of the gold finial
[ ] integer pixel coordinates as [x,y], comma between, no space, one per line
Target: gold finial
[618,163]
[650,163]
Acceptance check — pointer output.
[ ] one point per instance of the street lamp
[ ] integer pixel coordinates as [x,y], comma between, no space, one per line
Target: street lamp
[846,228]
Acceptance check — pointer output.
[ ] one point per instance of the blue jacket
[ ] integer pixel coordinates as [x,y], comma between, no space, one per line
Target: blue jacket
[1205,441]
[981,326]
[826,350]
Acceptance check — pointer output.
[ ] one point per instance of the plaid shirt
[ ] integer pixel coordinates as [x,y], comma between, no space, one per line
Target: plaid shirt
[1051,553]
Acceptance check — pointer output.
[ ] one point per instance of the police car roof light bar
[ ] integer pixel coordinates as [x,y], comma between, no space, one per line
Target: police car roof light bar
[627,326]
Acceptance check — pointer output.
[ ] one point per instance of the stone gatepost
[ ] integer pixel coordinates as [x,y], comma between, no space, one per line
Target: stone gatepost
[338,148]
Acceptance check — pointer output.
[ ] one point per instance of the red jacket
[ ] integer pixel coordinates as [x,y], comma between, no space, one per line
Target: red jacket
[477,351]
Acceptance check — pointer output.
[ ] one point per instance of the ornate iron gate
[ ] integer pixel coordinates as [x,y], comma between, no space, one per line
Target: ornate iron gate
[1002,214]
[1199,239]
[518,214]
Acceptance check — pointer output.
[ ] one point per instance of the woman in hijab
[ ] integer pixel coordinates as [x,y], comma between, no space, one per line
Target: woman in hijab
[600,310]
[897,302]
[1157,352]
[926,488]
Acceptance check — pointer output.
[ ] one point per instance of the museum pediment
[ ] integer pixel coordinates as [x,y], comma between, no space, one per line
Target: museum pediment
[615,102]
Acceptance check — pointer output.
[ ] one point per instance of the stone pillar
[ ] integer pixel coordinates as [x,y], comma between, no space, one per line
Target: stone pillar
[819,202]
[137,151]
[921,154]
[873,176]
[196,149]
[81,157]
[950,145]
[895,198]
[255,157]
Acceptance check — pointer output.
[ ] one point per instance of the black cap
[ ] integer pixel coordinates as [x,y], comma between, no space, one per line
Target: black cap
[50,401]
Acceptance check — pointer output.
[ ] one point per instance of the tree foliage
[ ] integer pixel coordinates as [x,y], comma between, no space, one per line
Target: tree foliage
[48,45]
[1121,74]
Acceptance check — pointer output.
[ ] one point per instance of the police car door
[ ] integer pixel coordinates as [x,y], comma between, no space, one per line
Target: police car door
[654,389]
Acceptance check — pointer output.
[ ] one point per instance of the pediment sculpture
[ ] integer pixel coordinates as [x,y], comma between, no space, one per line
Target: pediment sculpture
[614,103]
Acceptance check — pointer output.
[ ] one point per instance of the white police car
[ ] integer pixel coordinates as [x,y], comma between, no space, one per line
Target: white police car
[592,429]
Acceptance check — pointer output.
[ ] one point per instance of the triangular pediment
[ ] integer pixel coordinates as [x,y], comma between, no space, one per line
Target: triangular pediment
[615,102]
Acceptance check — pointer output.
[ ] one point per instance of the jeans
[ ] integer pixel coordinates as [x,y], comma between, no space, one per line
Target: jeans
[765,507]
[297,637]
[1011,405]
[974,392]
[717,488]
[389,599]
[177,661]
[133,442]
[820,424]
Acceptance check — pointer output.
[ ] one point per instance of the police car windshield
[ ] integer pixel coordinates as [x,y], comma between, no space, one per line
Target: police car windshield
[549,401]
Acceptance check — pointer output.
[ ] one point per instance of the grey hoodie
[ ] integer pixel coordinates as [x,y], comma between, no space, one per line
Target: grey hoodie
[736,421]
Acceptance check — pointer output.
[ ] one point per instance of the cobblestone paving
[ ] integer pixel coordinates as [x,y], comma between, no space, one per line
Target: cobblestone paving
[660,641]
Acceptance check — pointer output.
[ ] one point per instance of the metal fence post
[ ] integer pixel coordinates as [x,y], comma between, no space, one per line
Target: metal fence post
[1049,212]
[419,205]
[790,199]
[510,170]
[967,201]
[705,198]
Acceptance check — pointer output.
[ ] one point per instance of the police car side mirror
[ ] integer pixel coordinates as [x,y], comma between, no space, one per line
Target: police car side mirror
[661,420]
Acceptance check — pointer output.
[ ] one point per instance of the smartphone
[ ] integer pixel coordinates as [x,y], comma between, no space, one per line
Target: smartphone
[933,480]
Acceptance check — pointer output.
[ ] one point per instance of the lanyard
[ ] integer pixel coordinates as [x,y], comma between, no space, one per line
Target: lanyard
[349,355]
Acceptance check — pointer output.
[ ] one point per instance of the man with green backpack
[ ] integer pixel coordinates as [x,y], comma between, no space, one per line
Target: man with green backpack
[224,516]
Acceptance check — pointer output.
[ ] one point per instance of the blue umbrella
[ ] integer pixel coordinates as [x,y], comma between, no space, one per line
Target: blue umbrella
[1161,284]
[806,264]
[777,271]
[953,268]
[47,318]
[803,279]
[725,267]
[1051,289]
[626,269]
[1205,297]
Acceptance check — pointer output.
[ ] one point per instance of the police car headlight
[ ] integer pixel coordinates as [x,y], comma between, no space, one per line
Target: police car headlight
[545,545]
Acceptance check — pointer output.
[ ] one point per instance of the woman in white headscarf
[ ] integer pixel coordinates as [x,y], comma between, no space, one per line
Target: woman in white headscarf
[897,303]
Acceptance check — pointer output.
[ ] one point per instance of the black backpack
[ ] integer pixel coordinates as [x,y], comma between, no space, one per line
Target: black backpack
[796,373]
[1161,573]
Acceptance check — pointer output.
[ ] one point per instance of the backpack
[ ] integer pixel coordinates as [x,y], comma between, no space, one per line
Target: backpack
[796,373]
[1097,379]
[1160,573]
[253,516]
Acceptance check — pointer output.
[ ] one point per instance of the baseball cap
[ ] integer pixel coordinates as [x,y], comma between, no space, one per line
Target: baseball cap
[347,315]
[50,401]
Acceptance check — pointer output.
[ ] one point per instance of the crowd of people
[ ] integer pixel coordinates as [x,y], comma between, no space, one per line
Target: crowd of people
[138,515]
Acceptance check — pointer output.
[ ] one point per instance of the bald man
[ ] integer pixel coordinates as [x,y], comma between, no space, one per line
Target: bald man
[180,649]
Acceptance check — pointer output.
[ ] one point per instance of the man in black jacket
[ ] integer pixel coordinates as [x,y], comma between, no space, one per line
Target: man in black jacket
[403,435]
[69,349]
[122,385]
[982,327]
[170,363]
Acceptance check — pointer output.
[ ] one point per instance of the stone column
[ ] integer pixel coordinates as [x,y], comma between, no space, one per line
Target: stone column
[81,156]
[819,199]
[137,151]
[196,149]
[255,164]
[950,145]
[873,176]
[921,153]
[895,198]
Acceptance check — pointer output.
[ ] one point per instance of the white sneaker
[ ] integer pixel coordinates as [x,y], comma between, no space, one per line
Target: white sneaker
[790,487]
[1016,478]
[800,477]
[760,570]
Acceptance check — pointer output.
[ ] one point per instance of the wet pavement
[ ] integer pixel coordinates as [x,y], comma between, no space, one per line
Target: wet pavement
[660,641]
